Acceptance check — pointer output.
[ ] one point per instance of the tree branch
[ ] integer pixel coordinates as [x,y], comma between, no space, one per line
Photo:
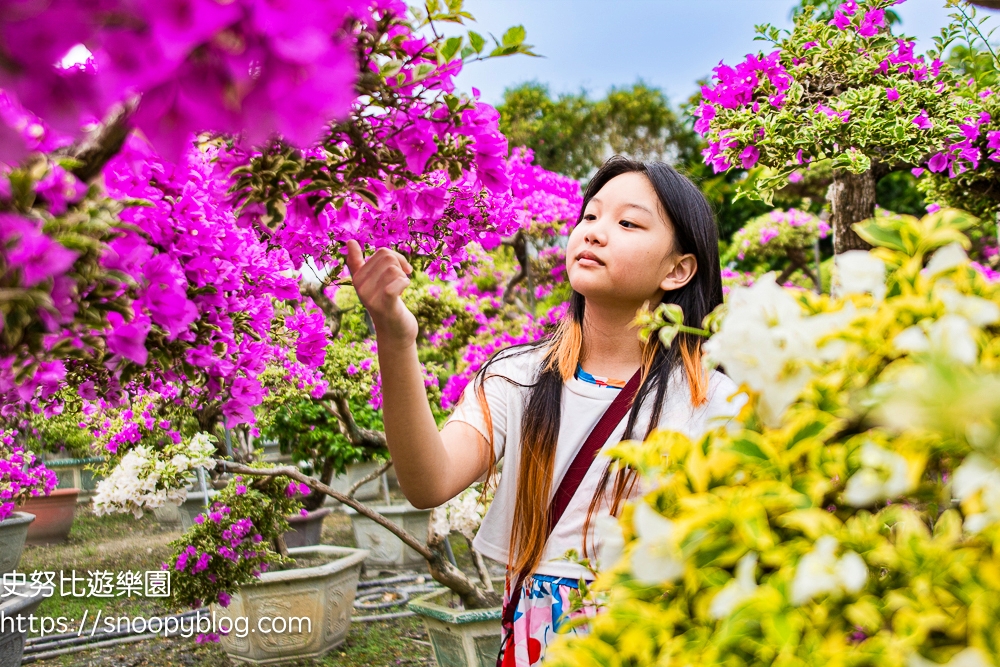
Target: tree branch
[367,478]
[103,143]
[481,569]
[473,597]
[294,473]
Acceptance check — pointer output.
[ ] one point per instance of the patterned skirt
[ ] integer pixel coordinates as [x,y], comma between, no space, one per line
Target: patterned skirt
[541,611]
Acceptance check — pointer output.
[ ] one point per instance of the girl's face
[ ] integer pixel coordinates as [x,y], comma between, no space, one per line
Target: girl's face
[623,252]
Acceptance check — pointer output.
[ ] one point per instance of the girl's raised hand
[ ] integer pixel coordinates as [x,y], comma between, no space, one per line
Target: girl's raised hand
[379,281]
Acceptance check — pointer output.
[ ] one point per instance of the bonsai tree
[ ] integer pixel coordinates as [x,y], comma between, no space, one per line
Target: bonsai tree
[781,240]
[849,515]
[849,92]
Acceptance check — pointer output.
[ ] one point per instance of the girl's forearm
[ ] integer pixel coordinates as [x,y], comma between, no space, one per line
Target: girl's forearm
[411,433]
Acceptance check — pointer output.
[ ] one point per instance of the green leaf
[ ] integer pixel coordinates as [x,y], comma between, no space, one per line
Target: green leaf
[748,448]
[878,235]
[451,47]
[477,41]
[514,36]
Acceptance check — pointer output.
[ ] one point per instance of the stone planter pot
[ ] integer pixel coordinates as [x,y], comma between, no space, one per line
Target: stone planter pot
[13,531]
[180,517]
[306,530]
[460,638]
[323,594]
[387,550]
[370,491]
[53,516]
[11,608]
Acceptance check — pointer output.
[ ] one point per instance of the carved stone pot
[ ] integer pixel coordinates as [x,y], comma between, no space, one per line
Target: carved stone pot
[17,608]
[293,614]
[385,548]
[460,637]
[13,531]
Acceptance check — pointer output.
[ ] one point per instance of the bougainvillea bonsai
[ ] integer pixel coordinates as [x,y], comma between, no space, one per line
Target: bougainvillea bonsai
[850,92]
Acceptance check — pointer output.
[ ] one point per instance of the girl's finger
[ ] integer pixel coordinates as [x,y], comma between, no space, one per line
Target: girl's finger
[355,258]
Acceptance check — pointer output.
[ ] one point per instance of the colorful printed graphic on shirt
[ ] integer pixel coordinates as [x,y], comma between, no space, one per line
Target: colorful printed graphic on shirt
[611,383]
[543,607]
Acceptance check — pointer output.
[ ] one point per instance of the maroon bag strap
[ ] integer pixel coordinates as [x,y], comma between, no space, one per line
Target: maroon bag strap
[578,470]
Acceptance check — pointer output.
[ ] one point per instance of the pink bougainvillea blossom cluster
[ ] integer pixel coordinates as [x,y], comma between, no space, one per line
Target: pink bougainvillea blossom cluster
[21,475]
[251,67]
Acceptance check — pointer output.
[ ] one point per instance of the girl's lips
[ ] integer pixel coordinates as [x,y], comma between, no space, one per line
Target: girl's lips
[586,261]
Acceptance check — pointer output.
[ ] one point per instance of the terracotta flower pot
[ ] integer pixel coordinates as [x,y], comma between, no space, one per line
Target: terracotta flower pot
[306,529]
[13,531]
[53,516]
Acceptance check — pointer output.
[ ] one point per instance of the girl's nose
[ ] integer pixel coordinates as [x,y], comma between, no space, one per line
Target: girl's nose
[595,234]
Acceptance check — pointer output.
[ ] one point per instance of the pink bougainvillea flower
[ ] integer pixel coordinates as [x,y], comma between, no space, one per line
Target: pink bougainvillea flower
[939,162]
[892,94]
[840,20]
[872,21]
[749,156]
[36,255]
[922,121]
[129,339]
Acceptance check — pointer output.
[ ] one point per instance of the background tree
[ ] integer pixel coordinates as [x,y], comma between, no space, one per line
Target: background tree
[572,134]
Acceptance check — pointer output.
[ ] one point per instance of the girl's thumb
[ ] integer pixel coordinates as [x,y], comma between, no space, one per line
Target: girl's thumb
[355,258]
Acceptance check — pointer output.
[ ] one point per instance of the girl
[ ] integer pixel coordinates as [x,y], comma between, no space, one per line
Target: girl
[645,234]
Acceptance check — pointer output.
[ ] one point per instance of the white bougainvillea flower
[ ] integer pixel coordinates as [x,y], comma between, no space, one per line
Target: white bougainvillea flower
[767,343]
[955,336]
[912,339]
[612,541]
[145,479]
[978,474]
[739,589]
[977,310]
[883,474]
[952,335]
[820,571]
[654,558]
[946,258]
[859,272]
[462,514]
[967,657]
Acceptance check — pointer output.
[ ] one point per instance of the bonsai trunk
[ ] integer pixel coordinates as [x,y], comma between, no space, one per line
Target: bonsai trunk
[852,199]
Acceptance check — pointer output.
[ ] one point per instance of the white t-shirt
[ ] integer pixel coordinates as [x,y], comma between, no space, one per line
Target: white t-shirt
[583,403]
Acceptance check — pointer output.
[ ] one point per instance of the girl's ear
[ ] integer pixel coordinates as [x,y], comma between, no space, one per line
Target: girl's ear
[681,273]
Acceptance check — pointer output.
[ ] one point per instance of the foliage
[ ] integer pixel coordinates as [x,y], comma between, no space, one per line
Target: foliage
[848,515]
[768,237]
[571,134]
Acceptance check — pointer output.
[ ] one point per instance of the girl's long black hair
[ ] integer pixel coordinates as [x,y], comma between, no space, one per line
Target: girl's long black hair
[695,232]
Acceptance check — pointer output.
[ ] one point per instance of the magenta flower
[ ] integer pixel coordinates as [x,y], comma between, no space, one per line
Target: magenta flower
[872,21]
[840,20]
[749,156]
[922,121]
[892,94]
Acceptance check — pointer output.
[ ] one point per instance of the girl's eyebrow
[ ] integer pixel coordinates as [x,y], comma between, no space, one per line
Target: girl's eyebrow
[629,205]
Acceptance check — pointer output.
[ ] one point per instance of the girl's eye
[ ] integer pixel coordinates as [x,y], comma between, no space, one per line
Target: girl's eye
[626,222]
[590,216]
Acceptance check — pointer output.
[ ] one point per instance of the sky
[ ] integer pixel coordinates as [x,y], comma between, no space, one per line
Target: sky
[670,44]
